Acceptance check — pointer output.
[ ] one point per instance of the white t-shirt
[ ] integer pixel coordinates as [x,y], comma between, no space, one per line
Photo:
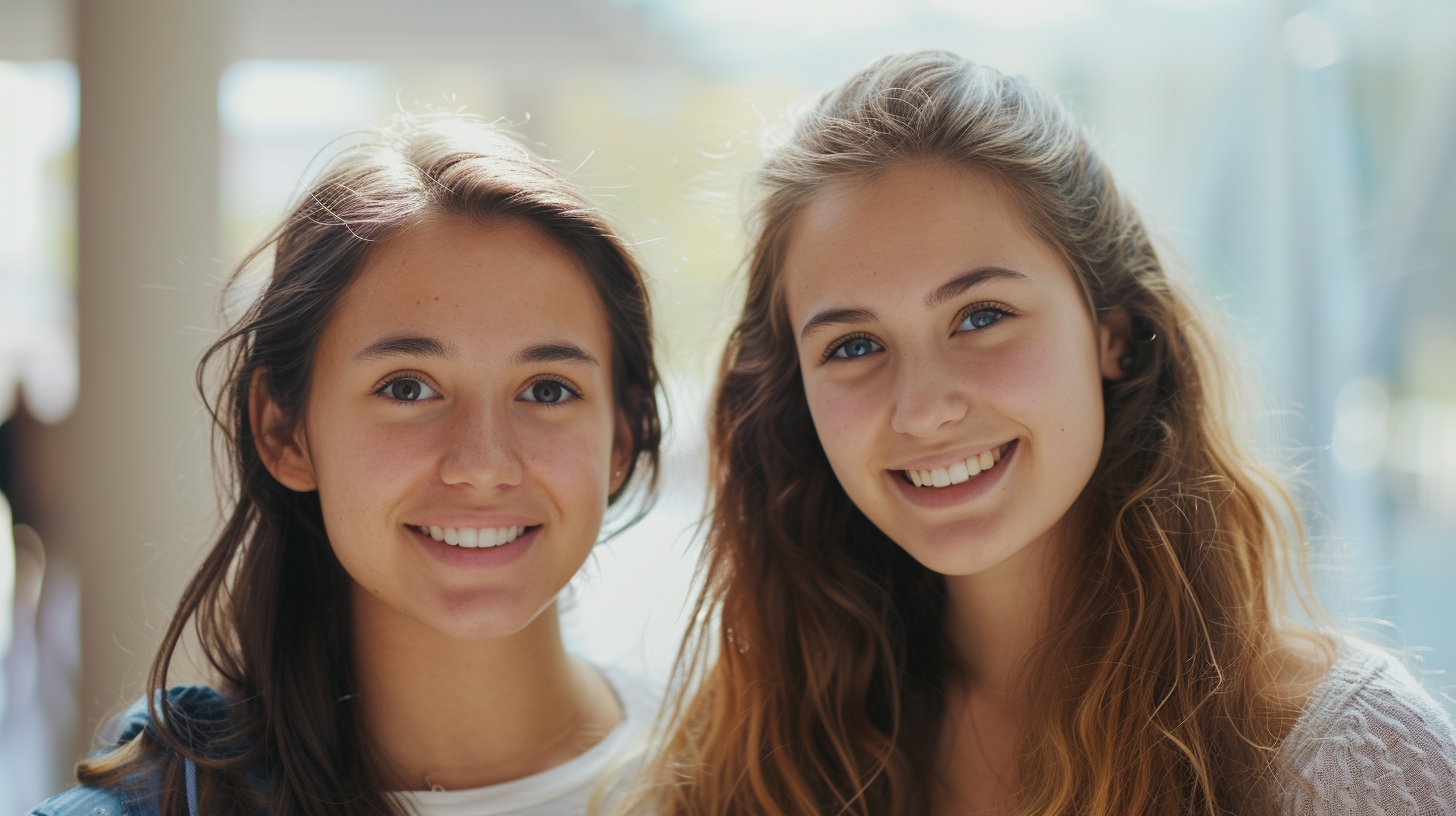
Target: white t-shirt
[565,789]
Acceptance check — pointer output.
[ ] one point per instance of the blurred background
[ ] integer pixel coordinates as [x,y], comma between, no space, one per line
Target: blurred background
[1298,155]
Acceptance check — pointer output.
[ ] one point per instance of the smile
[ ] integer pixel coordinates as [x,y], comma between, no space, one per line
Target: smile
[957,472]
[473,537]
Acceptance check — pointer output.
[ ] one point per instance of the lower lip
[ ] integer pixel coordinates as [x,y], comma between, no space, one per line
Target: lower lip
[969,490]
[476,557]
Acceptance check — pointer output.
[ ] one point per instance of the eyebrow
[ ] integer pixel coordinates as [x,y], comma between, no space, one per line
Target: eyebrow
[944,292]
[405,345]
[558,352]
[830,317]
[975,277]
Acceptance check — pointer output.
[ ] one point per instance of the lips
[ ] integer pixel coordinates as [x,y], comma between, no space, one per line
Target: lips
[520,538]
[955,494]
[957,472]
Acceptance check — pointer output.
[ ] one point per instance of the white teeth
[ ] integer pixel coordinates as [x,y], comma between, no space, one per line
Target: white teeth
[957,472]
[474,537]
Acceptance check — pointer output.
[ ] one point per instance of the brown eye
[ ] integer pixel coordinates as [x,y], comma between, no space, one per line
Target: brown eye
[408,389]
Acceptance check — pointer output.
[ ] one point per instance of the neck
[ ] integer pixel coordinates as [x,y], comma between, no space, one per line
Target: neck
[994,617]
[443,712]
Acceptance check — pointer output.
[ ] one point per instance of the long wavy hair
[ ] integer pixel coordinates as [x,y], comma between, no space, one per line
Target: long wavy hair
[270,604]
[814,676]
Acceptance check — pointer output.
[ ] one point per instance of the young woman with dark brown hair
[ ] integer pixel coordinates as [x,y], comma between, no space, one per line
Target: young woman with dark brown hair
[985,534]
[446,381]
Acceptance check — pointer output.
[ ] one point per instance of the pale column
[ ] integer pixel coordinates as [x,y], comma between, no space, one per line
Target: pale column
[139,502]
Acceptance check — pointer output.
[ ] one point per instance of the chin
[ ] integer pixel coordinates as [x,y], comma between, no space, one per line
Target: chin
[476,618]
[955,549]
[957,559]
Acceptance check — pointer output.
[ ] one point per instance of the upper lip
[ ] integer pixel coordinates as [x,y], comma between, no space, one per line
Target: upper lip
[474,520]
[948,458]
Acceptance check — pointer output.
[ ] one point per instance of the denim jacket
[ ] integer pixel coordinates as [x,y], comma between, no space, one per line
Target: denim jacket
[205,714]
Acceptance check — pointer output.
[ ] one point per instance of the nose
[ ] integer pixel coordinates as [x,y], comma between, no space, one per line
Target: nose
[927,397]
[482,450]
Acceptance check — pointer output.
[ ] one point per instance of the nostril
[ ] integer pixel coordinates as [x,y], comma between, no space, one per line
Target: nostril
[927,415]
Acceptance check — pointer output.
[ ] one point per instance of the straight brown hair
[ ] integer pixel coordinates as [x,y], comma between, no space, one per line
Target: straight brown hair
[270,604]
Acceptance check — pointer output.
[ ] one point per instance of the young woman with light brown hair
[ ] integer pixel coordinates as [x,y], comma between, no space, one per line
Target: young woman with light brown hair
[985,537]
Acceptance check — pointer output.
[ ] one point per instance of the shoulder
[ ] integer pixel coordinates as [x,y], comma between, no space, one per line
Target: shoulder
[1371,739]
[200,715]
[87,801]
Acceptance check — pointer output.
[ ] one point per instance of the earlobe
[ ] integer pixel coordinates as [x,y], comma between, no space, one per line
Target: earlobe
[621,452]
[1114,343]
[282,448]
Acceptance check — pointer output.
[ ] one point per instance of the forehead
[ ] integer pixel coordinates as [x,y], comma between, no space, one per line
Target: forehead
[487,288]
[902,234]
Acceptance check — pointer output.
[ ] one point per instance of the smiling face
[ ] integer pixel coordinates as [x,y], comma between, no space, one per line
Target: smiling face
[461,429]
[950,360]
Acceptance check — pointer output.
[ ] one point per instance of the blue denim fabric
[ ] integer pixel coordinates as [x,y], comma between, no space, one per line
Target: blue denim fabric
[202,717]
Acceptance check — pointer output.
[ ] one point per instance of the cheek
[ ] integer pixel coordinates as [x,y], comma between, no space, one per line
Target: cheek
[567,457]
[844,419]
[364,468]
[1052,385]
[573,461]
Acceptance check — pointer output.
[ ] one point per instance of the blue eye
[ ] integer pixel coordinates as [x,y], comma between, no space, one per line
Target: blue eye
[856,347]
[980,319]
[547,392]
[408,389]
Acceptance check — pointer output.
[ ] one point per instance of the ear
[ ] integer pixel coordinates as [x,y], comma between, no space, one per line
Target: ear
[1114,336]
[621,452]
[284,452]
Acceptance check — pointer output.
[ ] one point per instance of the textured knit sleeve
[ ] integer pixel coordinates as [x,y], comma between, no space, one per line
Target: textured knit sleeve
[1371,741]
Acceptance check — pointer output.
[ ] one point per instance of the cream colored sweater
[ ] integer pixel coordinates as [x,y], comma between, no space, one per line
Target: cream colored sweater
[1371,741]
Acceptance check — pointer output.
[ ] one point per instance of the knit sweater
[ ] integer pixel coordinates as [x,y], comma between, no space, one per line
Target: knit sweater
[1371,741]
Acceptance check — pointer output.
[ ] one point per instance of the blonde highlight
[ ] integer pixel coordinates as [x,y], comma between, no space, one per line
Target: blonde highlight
[813,680]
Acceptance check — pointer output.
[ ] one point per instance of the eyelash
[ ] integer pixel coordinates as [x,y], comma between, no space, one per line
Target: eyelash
[561,381]
[985,305]
[383,388]
[842,342]
[996,306]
